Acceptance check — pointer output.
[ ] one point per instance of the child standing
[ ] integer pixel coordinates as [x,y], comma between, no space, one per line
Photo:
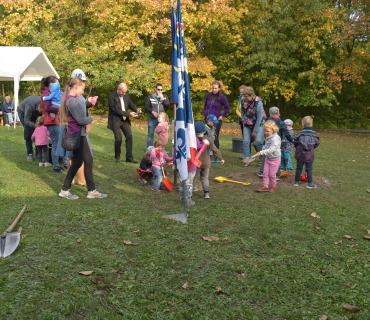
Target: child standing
[55,97]
[158,157]
[146,165]
[163,127]
[305,143]
[40,136]
[287,147]
[203,171]
[272,152]
[211,121]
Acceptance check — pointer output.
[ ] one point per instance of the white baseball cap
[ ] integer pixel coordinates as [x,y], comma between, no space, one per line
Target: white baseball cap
[78,73]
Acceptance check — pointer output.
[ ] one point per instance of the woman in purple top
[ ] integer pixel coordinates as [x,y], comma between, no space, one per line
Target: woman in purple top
[215,100]
[72,114]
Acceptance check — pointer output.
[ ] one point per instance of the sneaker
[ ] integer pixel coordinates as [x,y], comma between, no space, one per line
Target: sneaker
[117,160]
[142,180]
[68,195]
[272,189]
[295,183]
[41,164]
[260,174]
[47,164]
[59,170]
[189,202]
[156,190]
[96,194]
[30,157]
[195,189]
[278,178]
[206,195]
[263,189]
[311,186]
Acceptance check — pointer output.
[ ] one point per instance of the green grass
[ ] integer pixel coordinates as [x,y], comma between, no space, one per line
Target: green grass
[258,261]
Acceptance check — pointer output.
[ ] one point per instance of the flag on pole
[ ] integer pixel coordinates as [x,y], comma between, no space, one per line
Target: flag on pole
[185,133]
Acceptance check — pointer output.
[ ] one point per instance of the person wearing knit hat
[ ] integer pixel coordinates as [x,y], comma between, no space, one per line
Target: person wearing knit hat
[287,147]
[145,169]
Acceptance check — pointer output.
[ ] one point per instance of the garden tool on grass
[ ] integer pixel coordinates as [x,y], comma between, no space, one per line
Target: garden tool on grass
[285,174]
[10,241]
[223,179]
[167,183]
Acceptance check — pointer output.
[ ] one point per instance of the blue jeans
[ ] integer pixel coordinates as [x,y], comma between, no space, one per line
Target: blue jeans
[54,136]
[152,124]
[157,173]
[247,135]
[299,170]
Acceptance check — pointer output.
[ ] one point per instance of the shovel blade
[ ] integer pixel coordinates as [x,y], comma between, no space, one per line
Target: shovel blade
[9,243]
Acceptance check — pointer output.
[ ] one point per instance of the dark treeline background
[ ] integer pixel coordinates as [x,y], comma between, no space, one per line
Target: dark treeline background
[308,57]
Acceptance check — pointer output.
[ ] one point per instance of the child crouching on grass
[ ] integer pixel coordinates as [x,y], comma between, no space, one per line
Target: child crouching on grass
[305,143]
[158,157]
[272,151]
[146,165]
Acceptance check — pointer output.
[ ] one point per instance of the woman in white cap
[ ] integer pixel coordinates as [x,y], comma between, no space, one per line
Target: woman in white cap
[77,73]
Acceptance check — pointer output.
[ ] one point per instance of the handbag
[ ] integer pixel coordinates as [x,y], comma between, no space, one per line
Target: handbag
[70,141]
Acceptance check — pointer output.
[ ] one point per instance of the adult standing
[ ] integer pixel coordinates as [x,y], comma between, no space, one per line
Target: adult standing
[213,104]
[119,119]
[155,103]
[51,125]
[253,117]
[29,110]
[72,114]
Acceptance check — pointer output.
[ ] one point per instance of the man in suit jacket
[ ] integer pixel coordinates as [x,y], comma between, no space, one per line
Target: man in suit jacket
[119,119]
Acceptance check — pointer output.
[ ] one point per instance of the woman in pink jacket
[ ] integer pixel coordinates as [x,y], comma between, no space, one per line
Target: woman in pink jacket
[41,137]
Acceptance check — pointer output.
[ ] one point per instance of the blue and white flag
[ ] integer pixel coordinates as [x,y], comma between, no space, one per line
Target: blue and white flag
[185,133]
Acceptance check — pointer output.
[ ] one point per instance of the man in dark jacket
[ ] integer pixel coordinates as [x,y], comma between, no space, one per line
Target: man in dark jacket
[29,110]
[119,119]
[156,103]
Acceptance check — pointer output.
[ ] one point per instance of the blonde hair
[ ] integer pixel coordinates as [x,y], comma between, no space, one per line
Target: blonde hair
[164,116]
[307,122]
[249,91]
[39,121]
[62,110]
[159,143]
[272,125]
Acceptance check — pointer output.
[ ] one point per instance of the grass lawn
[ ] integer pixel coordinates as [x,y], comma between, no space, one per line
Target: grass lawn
[273,260]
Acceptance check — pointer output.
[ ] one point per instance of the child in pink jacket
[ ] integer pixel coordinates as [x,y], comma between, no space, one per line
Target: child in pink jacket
[158,157]
[163,127]
[40,136]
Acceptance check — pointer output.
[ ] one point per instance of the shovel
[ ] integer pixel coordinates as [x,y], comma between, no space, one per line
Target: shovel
[248,160]
[10,241]
[223,179]
[196,160]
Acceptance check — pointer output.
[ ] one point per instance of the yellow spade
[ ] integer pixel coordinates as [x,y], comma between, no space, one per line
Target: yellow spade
[223,179]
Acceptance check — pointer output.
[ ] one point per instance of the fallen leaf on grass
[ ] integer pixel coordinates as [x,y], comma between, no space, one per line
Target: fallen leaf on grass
[350,308]
[368,190]
[219,290]
[353,160]
[24,235]
[129,243]
[367,237]
[171,303]
[114,270]
[99,166]
[98,293]
[185,285]
[340,241]
[225,239]
[86,273]
[323,317]
[249,256]
[348,237]
[303,253]
[243,275]
[79,240]
[210,239]
[315,215]
[105,134]
[329,255]
[353,245]
[346,318]
[317,228]
[93,280]
[136,231]
[368,231]
[20,230]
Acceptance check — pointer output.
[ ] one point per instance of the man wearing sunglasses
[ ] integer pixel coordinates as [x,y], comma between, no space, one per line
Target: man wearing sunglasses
[156,103]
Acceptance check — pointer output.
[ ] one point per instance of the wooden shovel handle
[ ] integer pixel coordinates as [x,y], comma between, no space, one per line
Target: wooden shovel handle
[14,223]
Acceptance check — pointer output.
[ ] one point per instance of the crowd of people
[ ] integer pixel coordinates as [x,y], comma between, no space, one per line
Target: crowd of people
[53,114]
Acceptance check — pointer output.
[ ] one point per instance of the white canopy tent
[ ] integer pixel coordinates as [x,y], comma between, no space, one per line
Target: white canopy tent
[24,64]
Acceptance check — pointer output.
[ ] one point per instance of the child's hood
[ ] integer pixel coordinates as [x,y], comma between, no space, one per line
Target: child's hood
[55,87]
